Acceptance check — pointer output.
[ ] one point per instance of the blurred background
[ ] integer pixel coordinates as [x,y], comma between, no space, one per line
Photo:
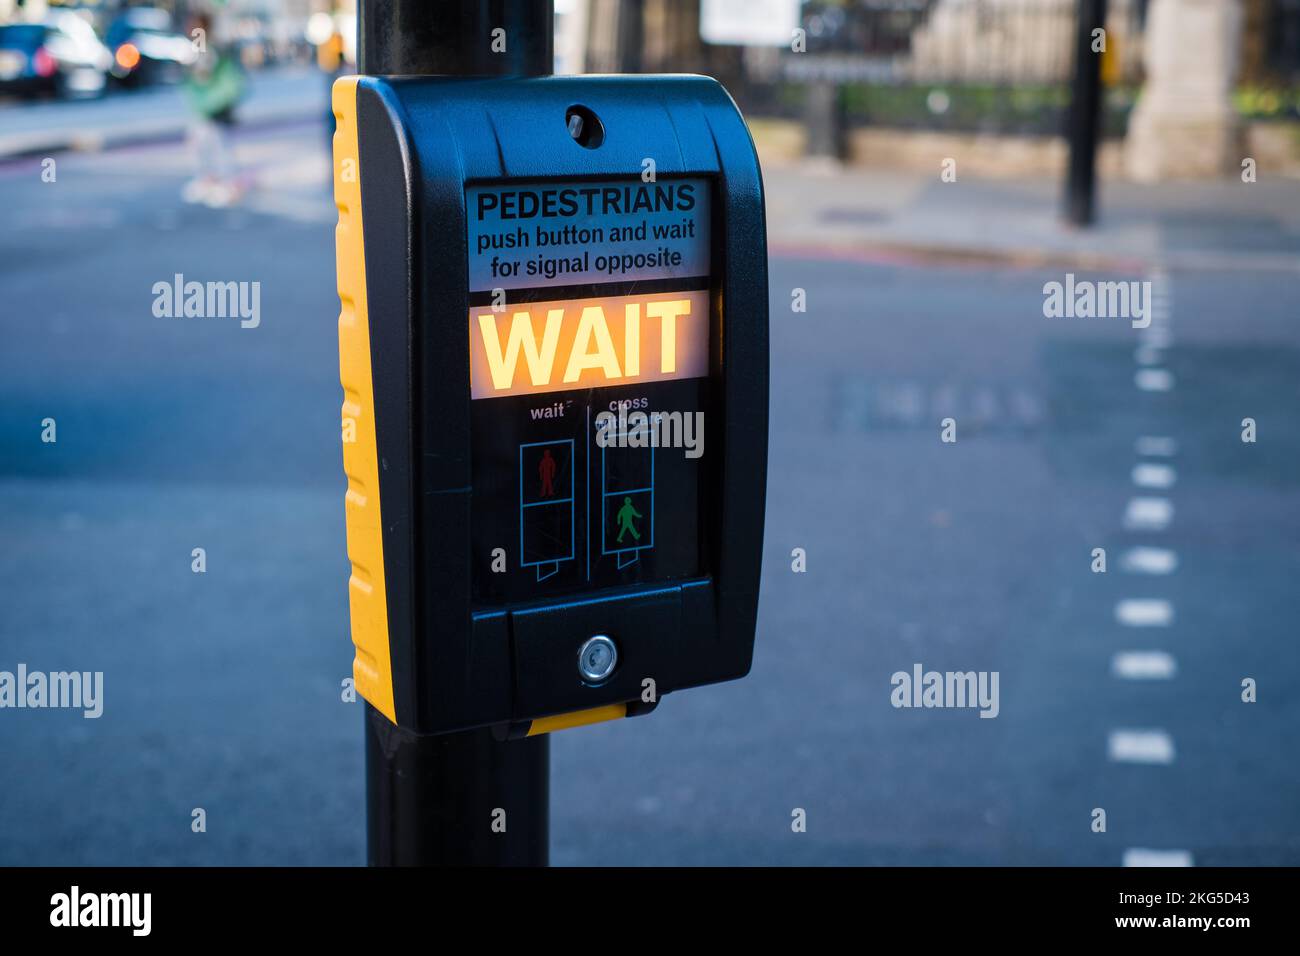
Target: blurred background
[917,158]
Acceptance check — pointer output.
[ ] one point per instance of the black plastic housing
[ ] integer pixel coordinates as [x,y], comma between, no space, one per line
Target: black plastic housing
[422,140]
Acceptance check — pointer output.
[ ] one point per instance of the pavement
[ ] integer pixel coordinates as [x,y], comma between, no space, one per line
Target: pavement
[151,115]
[1224,224]
[222,689]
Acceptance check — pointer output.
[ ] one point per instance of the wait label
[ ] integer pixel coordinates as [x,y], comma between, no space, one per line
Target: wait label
[588,343]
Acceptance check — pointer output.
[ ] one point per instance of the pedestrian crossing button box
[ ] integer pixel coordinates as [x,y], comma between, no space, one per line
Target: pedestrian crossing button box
[554,354]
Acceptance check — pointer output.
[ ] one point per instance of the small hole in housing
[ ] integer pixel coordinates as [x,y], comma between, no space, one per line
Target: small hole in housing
[584,126]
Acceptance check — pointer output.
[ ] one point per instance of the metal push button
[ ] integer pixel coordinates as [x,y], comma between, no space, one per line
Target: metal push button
[597,659]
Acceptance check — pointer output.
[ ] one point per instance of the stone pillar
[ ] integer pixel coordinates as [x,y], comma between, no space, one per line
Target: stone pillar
[1184,124]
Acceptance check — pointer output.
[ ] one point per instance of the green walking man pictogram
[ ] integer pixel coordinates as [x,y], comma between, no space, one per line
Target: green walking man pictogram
[624,518]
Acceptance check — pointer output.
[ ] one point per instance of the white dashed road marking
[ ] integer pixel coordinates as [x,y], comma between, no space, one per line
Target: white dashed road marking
[1144,612]
[1143,665]
[1157,336]
[1149,561]
[1140,746]
[1154,379]
[1150,475]
[1143,857]
[1148,514]
[1150,746]
[1157,446]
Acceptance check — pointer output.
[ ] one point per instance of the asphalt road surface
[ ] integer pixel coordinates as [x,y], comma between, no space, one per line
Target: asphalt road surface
[222,689]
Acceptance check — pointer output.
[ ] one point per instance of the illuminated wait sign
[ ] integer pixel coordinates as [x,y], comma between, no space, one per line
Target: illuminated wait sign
[588,343]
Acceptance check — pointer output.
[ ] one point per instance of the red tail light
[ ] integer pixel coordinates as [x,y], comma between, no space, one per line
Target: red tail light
[45,64]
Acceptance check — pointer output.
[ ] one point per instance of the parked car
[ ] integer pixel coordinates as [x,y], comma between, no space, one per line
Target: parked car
[61,55]
[146,49]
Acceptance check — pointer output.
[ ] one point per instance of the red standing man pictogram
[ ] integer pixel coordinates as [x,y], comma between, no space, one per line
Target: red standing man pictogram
[546,469]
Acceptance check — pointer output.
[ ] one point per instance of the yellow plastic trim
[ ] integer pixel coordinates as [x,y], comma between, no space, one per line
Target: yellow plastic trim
[578,718]
[372,665]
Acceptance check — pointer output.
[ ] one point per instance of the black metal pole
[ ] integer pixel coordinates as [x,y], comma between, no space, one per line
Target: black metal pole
[1084,119]
[455,37]
[825,122]
[631,36]
[464,799]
